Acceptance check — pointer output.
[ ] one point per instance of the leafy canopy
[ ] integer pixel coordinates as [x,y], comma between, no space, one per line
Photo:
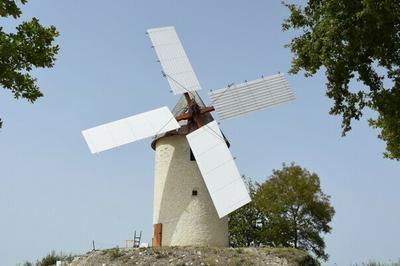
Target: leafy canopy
[296,211]
[31,46]
[287,210]
[353,40]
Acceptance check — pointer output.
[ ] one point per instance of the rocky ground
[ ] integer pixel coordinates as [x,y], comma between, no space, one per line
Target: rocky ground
[195,256]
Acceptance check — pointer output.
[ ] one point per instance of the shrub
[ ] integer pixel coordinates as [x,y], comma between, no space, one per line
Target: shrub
[115,252]
[51,259]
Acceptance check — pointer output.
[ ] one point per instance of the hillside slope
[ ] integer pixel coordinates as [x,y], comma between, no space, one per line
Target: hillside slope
[195,256]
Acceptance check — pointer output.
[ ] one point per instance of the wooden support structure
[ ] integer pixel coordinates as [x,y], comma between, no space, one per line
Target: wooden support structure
[157,235]
[195,112]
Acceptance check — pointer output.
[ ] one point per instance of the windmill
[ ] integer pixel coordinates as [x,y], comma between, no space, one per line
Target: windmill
[197,183]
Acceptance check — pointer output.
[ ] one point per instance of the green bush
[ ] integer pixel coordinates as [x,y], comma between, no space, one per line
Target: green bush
[115,252]
[51,259]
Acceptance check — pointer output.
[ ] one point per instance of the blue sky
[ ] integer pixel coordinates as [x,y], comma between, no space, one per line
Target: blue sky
[54,194]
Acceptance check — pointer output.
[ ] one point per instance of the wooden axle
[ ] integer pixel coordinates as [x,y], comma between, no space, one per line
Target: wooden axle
[195,112]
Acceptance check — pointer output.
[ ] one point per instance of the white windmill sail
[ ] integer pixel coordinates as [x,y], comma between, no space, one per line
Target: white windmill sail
[217,166]
[251,96]
[173,59]
[130,129]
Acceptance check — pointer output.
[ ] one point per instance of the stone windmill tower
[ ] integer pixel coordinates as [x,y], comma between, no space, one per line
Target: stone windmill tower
[183,211]
[197,183]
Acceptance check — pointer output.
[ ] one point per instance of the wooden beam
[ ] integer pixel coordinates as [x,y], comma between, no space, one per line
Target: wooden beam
[184,116]
[187,97]
[207,109]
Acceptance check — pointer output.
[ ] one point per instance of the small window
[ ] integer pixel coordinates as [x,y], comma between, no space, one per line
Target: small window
[194,192]
[192,156]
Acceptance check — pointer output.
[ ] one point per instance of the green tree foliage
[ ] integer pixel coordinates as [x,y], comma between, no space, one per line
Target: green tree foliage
[31,46]
[287,210]
[296,212]
[51,259]
[353,40]
[244,223]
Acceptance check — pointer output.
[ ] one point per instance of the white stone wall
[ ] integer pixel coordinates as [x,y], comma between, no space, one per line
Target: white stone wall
[186,220]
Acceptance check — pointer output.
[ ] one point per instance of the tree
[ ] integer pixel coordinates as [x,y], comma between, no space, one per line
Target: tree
[244,223]
[296,212]
[31,46]
[356,40]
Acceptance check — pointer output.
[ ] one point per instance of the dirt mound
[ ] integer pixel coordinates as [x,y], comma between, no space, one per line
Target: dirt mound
[195,256]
